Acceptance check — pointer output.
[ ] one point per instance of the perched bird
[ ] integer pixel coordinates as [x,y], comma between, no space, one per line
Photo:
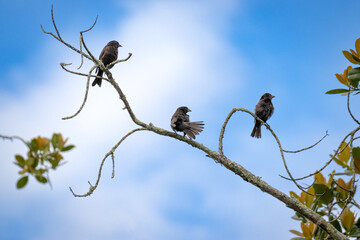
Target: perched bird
[107,56]
[263,110]
[180,122]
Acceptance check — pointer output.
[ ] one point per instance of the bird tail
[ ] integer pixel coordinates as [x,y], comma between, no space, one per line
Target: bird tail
[194,128]
[256,132]
[98,80]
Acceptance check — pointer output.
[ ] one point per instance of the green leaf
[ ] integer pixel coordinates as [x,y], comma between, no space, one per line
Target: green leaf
[326,194]
[354,80]
[354,231]
[298,238]
[33,146]
[35,163]
[337,91]
[41,178]
[354,71]
[356,155]
[336,224]
[20,160]
[22,182]
[67,148]
[55,140]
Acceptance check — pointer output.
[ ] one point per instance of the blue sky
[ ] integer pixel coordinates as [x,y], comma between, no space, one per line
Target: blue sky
[227,54]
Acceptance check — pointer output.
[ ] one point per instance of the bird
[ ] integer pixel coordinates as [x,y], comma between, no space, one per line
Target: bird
[263,110]
[107,56]
[180,122]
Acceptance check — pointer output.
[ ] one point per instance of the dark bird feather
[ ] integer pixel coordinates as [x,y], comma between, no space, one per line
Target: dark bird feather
[180,122]
[107,56]
[263,110]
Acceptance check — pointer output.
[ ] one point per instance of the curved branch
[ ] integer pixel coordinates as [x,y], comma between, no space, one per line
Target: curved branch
[307,148]
[111,152]
[348,107]
[85,98]
[222,131]
[272,132]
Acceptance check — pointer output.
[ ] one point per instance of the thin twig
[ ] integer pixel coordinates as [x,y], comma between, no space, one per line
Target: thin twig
[307,148]
[348,107]
[118,61]
[78,73]
[338,151]
[85,98]
[11,138]
[81,41]
[53,20]
[111,152]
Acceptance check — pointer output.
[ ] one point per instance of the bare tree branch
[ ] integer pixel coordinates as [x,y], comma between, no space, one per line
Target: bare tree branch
[85,98]
[111,152]
[307,148]
[82,58]
[11,138]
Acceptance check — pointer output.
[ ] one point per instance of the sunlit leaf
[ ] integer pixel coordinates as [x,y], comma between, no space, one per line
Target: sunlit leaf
[306,231]
[338,161]
[357,46]
[41,142]
[347,219]
[296,233]
[341,79]
[344,154]
[319,178]
[22,182]
[331,179]
[341,188]
[293,194]
[353,53]
[353,59]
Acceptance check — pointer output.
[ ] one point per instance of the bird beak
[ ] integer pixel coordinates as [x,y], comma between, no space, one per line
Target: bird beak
[273,96]
[189,110]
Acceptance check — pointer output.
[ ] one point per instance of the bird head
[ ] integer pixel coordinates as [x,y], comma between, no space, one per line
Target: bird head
[267,96]
[114,44]
[184,109]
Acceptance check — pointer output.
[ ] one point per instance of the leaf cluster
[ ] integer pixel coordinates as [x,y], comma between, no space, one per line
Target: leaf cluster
[332,198]
[351,76]
[44,154]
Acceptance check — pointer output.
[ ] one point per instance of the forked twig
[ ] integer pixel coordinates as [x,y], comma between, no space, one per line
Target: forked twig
[82,60]
[85,98]
[111,152]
